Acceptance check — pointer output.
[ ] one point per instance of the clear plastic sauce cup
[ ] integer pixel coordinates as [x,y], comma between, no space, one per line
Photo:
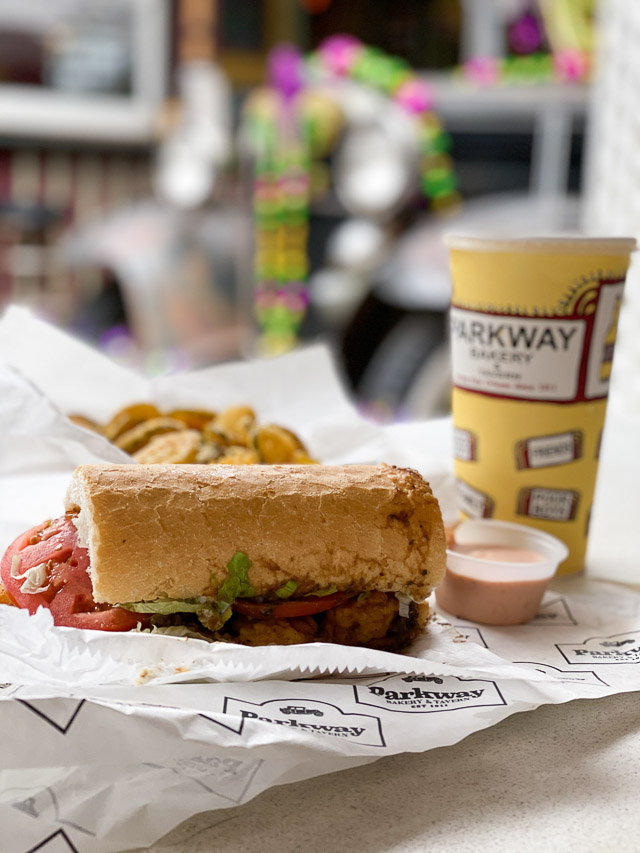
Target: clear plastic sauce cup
[497,572]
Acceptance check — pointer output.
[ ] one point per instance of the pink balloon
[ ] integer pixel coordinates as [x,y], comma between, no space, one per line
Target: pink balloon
[414,95]
[482,70]
[339,53]
[571,65]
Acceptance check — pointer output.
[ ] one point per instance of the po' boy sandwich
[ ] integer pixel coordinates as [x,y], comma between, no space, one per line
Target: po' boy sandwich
[248,554]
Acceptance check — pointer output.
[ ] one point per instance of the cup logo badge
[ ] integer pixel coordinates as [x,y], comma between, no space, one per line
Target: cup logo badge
[465,445]
[549,504]
[473,502]
[545,451]
[609,341]
[563,356]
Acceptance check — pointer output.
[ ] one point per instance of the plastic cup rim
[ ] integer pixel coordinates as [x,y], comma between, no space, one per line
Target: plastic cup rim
[562,551]
[578,244]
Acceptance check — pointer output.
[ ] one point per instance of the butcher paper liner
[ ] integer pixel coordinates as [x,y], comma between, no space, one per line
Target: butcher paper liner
[112,740]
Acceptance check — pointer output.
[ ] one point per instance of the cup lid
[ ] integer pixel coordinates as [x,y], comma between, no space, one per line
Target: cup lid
[578,244]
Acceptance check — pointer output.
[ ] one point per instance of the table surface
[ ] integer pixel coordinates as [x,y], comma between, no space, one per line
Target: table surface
[562,777]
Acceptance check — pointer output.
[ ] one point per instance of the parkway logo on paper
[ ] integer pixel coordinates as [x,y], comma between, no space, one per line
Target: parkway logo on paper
[425,694]
[59,713]
[44,804]
[473,635]
[57,842]
[307,716]
[616,648]
[225,777]
[581,676]
[554,612]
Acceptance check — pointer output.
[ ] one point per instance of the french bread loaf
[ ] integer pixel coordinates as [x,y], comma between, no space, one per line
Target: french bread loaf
[156,531]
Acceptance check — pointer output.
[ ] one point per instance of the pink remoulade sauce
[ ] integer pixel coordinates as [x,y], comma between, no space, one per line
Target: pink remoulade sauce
[500,553]
[490,601]
[495,573]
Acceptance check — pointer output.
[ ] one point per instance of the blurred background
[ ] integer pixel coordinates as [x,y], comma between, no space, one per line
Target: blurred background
[185,182]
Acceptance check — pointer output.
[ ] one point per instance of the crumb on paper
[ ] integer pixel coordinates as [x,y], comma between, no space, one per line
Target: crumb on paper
[149,673]
[452,631]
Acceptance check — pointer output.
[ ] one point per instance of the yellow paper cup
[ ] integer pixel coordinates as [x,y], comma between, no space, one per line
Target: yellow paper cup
[533,327]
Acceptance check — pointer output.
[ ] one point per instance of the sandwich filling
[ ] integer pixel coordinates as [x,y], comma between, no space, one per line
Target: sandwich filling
[46,566]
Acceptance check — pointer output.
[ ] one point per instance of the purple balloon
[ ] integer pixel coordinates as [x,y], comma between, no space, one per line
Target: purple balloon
[285,70]
[525,35]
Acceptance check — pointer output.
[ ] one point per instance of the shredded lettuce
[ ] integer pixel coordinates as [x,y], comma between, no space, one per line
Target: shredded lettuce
[167,606]
[237,585]
[328,591]
[287,590]
[213,613]
[177,631]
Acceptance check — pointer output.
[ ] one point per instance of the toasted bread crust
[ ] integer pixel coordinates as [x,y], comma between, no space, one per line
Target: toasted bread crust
[170,530]
[5,597]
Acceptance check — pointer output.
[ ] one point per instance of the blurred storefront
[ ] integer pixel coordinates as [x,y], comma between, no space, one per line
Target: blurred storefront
[126,182]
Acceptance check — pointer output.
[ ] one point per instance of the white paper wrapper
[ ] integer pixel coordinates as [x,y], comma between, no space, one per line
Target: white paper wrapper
[111,740]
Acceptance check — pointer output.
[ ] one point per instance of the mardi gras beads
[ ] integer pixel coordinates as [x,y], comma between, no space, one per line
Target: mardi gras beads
[345,57]
[281,202]
[563,66]
[285,137]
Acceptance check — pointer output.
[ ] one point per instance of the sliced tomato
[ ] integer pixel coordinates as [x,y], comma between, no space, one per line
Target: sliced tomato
[307,606]
[68,593]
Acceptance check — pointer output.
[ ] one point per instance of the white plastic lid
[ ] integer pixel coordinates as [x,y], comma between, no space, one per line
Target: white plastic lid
[488,532]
